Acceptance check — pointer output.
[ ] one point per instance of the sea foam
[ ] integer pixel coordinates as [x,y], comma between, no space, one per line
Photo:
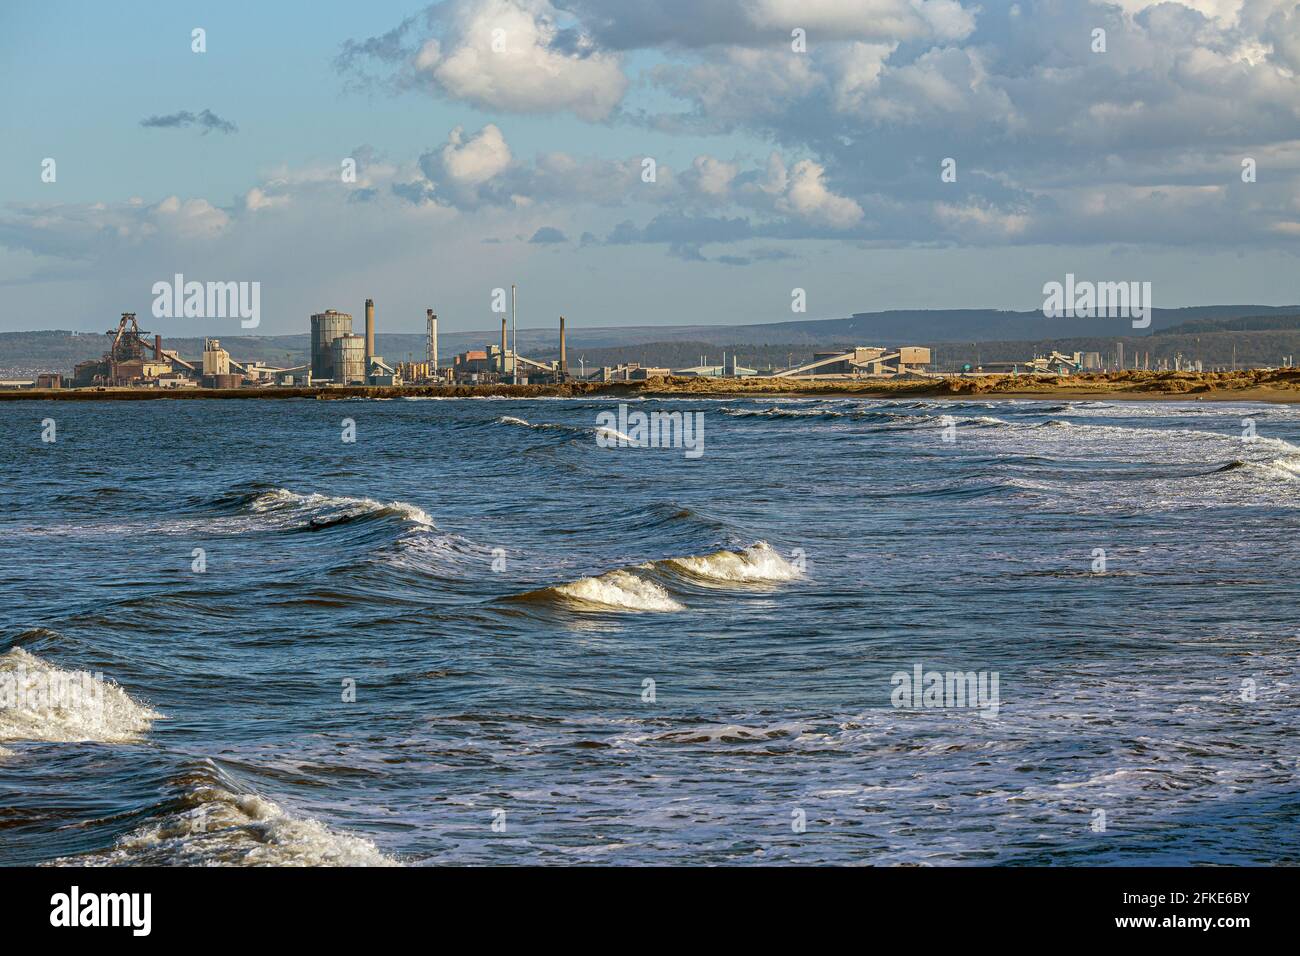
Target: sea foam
[758,563]
[38,701]
[222,828]
[621,590]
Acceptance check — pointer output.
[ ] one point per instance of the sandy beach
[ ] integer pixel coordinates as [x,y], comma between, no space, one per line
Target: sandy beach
[1271,385]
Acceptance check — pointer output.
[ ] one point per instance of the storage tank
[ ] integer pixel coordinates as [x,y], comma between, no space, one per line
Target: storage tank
[326,327]
[349,359]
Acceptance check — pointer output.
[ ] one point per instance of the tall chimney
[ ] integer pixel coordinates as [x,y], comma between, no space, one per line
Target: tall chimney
[157,348]
[503,345]
[564,369]
[370,333]
[433,342]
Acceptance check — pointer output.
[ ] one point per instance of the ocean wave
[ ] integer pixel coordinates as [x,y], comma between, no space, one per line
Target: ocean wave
[41,702]
[1285,467]
[779,412]
[215,826]
[614,590]
[898,419]
[646,587]
[545,426]
[758,563]
[321,510]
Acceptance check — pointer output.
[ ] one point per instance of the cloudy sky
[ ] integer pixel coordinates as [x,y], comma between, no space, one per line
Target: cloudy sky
[648,162]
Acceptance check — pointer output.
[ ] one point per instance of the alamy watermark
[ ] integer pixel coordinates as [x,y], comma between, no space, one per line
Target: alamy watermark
[1099,300]
[922,689]
[208,300]
[42,692]
[638,429]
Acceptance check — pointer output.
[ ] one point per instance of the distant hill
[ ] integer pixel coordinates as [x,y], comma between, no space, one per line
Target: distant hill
[25,353]
[1252,323]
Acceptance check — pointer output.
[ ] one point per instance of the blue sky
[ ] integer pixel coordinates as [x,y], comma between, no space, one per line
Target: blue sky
[777,168]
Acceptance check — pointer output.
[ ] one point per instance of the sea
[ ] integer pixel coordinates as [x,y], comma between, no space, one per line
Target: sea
[839,631]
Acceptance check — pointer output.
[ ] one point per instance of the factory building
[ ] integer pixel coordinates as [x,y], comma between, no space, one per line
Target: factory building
[325,328]
[861,360]
[216,360]
[474,362]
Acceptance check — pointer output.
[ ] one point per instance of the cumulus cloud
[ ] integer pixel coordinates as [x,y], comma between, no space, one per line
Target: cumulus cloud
[806,196]
[884,91]
[258,198]
[477,159]
[507,55]
[711,177]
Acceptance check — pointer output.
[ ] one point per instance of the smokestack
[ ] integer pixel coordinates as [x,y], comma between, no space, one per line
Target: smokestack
[157,347]
[564,368]
[370,333]
[503,345]
[433,342]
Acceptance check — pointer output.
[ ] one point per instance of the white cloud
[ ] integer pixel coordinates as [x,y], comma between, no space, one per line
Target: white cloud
[257,198]
[507,55]
[807,197]
[712,177]
[477,159]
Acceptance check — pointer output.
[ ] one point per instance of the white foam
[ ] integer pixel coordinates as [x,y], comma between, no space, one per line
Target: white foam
[221,828]
[281,499]
[1287,467]
[38,701]
[734,733]
[757,563]
[620,590]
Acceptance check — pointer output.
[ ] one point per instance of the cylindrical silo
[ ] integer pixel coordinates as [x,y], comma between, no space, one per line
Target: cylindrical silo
[325,328]
[349,359]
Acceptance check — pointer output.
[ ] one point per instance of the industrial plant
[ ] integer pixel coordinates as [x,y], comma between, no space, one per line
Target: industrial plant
[341,356]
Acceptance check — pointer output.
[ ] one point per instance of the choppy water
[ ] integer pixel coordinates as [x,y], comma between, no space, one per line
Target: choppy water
[500,588]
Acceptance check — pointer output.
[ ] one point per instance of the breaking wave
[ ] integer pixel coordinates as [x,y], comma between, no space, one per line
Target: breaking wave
[758,563]
[615,590]
[316,510]
[646,587]
[211,825]
[40,702]
[1285,467]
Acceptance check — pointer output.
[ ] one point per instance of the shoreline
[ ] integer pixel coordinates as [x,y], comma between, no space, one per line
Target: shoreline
[1257,386]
